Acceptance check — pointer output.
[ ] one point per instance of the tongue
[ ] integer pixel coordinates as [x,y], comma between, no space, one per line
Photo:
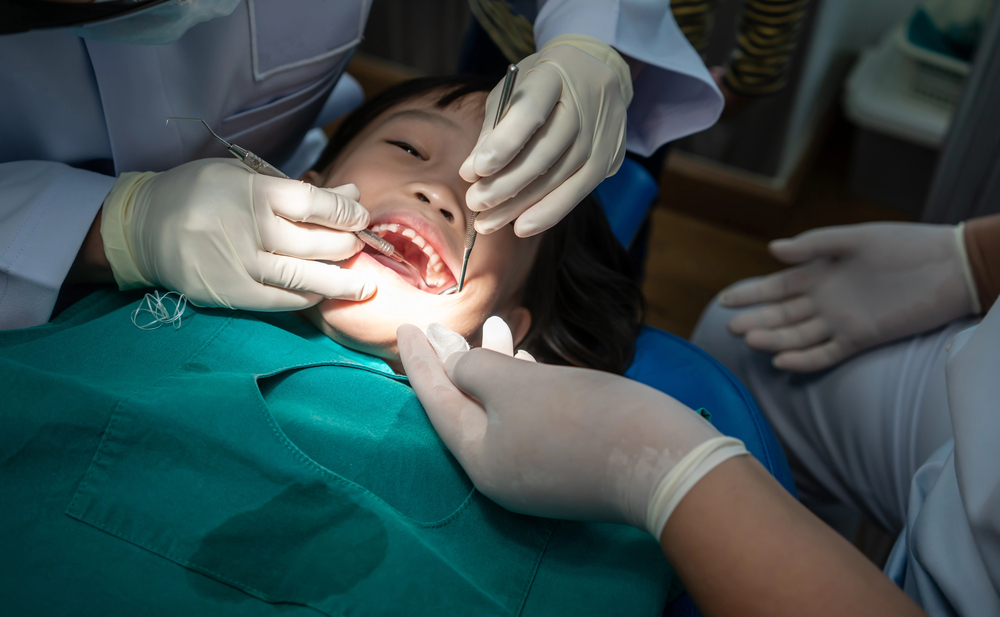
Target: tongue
[405,272]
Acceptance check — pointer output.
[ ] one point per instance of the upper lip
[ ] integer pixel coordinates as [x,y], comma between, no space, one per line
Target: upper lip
[429,231]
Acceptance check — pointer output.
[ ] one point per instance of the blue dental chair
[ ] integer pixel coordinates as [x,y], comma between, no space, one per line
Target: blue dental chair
[672,365]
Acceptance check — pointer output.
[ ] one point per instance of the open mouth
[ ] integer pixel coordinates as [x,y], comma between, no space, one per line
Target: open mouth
[418,251]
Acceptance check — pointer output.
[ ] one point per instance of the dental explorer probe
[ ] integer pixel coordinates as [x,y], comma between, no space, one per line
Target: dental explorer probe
[261,166]
[470,233]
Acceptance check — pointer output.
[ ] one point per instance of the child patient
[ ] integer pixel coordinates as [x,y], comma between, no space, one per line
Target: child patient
[567,294]
[248,464]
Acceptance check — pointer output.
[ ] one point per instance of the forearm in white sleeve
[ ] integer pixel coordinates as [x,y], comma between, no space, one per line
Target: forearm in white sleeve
[675,95]
[46,210]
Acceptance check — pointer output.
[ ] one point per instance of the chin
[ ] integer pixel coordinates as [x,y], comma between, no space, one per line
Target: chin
[370,326]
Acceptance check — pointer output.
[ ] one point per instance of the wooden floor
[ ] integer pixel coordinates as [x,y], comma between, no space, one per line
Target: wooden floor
[692,260]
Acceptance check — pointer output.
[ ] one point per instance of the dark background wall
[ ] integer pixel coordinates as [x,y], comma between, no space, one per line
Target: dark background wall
[422,34]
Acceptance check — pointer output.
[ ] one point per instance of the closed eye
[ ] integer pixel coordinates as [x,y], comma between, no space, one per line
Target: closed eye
[407,148]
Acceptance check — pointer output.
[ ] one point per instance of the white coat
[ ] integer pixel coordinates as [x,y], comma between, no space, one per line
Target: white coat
[76,113]
[906,434]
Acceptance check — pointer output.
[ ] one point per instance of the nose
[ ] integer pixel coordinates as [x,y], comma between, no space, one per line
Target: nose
[441,196]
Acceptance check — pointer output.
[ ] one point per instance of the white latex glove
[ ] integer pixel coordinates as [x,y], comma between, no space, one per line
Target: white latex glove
[858,286]
[226,236]
[563,133]
[562,442]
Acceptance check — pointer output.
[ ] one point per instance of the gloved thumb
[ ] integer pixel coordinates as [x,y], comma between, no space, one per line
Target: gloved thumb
[498,337]
[459,421]
[474,372]
[826,242]
[302,202]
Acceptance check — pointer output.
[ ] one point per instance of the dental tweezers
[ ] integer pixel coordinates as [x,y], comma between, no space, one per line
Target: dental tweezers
[261,166]
[470,232]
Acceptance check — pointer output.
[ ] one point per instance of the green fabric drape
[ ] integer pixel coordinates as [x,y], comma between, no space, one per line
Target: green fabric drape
[232,466]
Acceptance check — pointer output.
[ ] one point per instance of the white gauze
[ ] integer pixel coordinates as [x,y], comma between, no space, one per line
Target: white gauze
[444,341]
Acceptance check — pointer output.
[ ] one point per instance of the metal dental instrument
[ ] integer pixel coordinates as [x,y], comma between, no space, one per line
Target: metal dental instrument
[261,166]
[470,232]
[246,157]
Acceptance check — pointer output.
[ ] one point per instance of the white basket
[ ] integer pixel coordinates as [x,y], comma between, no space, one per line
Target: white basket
[932,77]
[879,97]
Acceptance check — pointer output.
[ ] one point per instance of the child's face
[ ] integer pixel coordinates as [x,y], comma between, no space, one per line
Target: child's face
[405,164]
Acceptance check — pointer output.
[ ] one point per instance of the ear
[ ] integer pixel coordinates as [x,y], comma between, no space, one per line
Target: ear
[519,322]
[312,177]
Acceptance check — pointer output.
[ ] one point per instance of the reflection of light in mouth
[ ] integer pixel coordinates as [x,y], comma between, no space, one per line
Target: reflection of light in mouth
[419,252]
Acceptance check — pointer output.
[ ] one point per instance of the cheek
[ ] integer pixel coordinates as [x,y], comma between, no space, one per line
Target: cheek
[370,326]
[505,260]
[362,173]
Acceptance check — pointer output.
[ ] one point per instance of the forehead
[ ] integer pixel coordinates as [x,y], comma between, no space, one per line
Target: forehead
[460,115]
[463,117]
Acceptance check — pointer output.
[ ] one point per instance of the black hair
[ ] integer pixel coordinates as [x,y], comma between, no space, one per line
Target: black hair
[454,87]
[586,307]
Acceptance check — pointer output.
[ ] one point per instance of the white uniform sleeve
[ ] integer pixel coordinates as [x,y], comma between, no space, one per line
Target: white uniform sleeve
[949,553]
[675,95]
[46,211]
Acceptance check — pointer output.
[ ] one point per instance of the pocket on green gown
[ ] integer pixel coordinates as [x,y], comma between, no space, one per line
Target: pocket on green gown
[370,429]
[196,470]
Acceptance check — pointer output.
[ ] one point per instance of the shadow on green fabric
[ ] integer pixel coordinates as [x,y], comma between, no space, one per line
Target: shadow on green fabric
[303,546]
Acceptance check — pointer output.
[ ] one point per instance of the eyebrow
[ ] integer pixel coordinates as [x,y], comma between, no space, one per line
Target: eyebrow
[421,115]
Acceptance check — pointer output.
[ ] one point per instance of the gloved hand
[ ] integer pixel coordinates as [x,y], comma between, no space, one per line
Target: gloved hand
[226,236]
[562,442]
[563,133]
[858,286]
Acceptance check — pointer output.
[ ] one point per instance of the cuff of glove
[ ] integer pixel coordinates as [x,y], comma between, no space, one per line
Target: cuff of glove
[685,475]
[603,52]
[116,218]
[970,282]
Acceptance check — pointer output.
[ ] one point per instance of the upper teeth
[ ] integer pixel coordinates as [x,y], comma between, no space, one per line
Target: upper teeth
[436,275]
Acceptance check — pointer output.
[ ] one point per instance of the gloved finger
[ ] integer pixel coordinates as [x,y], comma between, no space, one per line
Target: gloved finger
[475,373]
[773,316]
[799,336]
[537,157]
[772,288]
[557,204]
[523,355]
[304,203]
[467,169]
[307,241]
[825,242]
[459,421]
[315,277]
[497,336]
[558,175]
[500,216]
[531,104]
[813,359]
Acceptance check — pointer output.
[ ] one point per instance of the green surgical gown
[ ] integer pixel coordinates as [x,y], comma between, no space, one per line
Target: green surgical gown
[246,465]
